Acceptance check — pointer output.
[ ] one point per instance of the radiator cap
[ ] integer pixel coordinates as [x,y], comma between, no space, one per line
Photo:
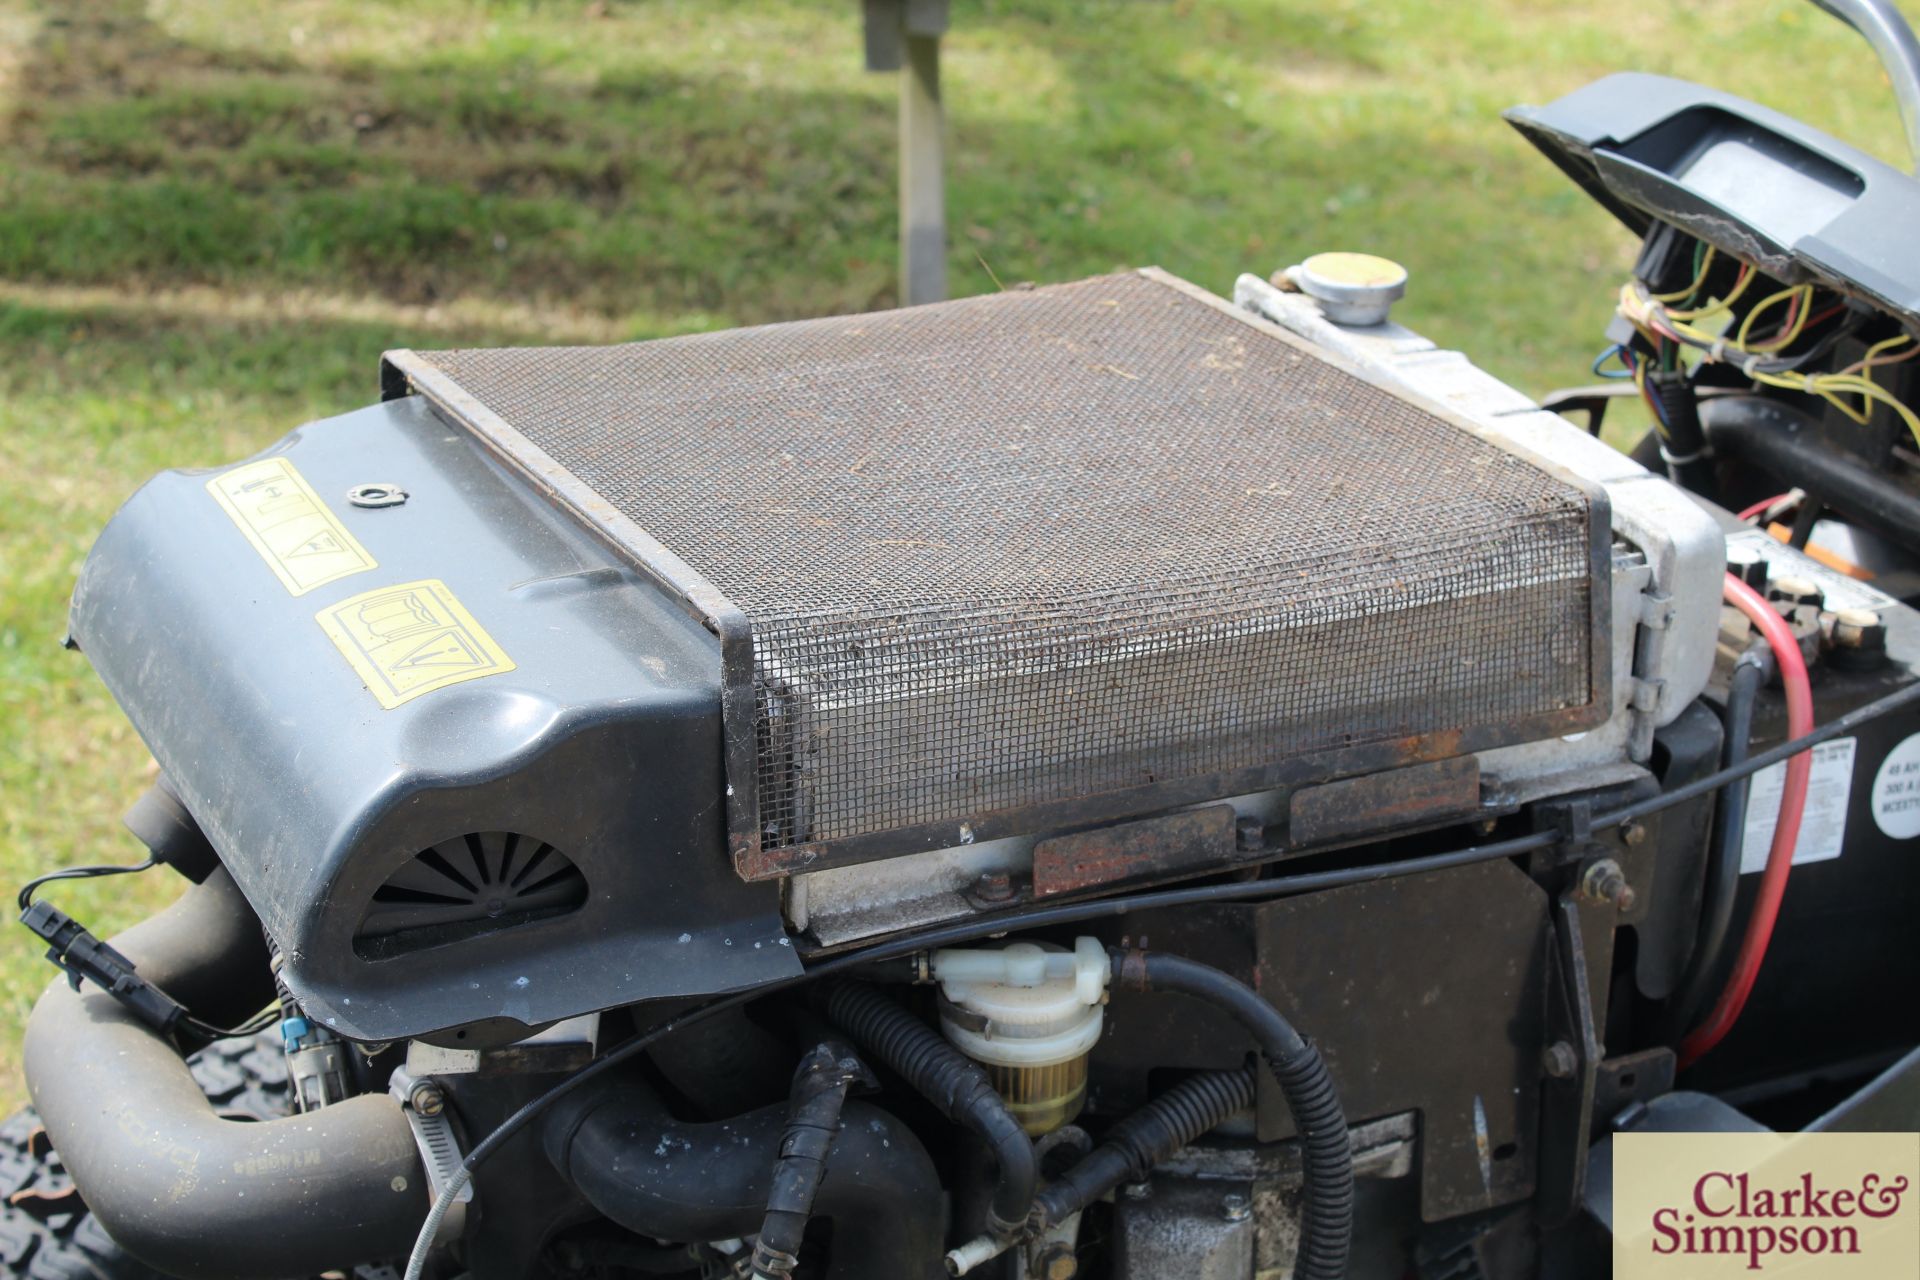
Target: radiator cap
[1352,288]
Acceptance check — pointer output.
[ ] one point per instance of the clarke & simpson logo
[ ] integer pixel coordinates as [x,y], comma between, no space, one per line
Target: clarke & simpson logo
[1704,1206]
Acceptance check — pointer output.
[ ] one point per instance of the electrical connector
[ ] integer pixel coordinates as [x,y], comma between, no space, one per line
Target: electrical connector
[80,955]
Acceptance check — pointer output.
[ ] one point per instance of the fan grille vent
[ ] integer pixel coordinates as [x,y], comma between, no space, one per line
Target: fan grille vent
[469,885]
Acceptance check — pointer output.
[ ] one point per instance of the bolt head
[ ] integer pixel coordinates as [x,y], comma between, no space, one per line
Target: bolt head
[1634,833]
[1236,1207]
[427,1098]
[1058,1263]
[993,886]
[1136,1190]
[1559,1060]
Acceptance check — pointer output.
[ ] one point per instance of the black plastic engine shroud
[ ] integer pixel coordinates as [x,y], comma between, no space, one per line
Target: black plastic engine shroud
[602,741]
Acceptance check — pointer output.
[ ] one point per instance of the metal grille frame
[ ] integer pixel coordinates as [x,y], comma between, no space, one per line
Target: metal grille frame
[751,714]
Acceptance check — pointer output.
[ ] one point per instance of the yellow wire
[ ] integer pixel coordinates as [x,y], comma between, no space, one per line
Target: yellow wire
[1724,304]
[1830,386]
[1799,320]
[1856,380]
[1873,352]
[1706,265]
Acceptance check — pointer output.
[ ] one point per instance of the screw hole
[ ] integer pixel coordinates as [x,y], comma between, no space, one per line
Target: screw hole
[1506,1151]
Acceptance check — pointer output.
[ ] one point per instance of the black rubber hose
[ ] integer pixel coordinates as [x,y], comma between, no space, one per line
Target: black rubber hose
[1326,1235]
[820,1087]
[1136,1144]
[950,1080]
[178,1187]
[1722,885]
[669,1179]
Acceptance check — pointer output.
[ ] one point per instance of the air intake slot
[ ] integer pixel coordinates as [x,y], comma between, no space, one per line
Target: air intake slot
[467,886]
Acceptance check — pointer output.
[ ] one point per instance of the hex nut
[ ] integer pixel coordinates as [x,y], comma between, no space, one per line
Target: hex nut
[1859,629]
[1604,881]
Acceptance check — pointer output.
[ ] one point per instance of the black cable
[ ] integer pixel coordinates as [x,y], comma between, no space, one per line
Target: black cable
[978,927]
[1722,882]
[79,873]
[186,1021]
[251,1027]
[1326,1147]
[820,1087]
[1136,1143]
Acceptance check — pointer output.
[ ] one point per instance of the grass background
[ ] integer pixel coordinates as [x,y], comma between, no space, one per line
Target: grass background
[214,215]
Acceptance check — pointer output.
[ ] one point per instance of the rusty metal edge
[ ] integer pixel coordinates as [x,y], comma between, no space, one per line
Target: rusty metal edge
[404,371]
[1186,841]
[1373,804]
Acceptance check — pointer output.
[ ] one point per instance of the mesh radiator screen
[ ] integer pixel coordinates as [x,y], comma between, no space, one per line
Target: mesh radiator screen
[1050,544]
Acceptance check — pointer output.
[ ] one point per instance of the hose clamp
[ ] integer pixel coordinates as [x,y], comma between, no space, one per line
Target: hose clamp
[440,1152]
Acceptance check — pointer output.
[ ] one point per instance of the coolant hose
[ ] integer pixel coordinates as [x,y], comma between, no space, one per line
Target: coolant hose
[671,1179]
[1786,831]
[1326,1229]
[1722,884]
[1136,1144]
[178,1187]
[950,1080]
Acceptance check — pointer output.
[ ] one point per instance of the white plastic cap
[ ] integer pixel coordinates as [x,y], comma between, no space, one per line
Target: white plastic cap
[1038,1005]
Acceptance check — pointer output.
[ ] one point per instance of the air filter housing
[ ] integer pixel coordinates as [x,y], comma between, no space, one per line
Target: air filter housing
[1055,556]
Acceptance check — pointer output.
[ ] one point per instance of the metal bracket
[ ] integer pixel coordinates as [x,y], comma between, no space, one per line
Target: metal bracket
[1571,821]
[1648,691]
[1572,1060]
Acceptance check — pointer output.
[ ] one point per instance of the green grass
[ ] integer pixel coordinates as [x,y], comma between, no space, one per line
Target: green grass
[213,216]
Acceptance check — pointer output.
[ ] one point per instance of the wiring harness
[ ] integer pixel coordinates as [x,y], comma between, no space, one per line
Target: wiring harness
[1715,331]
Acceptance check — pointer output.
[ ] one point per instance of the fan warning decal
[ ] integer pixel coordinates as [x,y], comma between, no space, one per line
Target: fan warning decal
[411,639]
[303,542]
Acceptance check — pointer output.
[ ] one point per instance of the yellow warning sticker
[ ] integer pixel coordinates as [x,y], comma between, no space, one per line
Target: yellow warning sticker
[302,541]
[411,639]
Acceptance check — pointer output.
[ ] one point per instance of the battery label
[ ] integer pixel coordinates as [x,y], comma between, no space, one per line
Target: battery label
[1823,828]
[411,639]
[1896,791]
[302,541]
